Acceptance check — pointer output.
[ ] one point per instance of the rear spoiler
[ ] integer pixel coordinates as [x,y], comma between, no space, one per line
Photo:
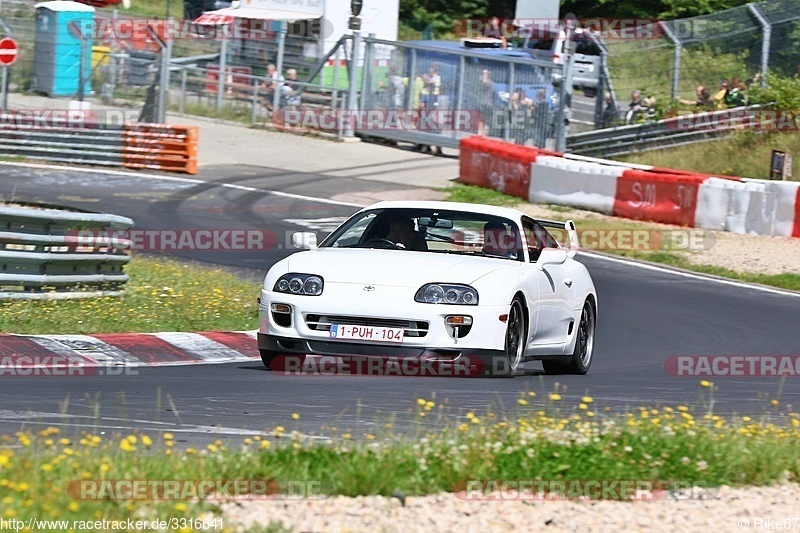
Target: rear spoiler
[574,241]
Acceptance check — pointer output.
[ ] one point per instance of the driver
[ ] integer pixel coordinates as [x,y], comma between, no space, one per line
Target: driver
[401,232]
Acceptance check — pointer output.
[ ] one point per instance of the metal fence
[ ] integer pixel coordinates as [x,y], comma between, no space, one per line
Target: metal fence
[762,37]
[44,254]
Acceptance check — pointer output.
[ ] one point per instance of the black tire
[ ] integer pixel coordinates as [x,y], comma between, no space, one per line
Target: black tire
[276,360]
[581,358]
[516,335]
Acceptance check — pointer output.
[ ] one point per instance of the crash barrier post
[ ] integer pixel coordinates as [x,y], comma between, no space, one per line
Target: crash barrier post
[47,253]
[161,147]
[68,137]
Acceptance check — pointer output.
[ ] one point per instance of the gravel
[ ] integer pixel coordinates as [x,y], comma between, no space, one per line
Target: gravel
[722,511]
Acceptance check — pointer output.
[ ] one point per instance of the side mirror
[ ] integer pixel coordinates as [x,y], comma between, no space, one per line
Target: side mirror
[551,256]
[304,241]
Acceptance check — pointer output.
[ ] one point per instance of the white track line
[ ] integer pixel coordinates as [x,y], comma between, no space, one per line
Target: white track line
[192,181]
[701,277]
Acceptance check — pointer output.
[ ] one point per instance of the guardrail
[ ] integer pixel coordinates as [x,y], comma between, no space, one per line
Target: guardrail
[666,133]
[43,254]
[143,146]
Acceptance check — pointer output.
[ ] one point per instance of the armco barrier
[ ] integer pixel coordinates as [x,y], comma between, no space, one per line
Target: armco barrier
[786,202]
[141,146]
[42,255]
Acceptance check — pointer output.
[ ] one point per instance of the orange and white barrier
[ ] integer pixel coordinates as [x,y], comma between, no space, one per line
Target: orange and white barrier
[161,147]
[639,192]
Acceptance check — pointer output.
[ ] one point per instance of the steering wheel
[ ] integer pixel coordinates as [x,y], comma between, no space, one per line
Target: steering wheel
[379,240]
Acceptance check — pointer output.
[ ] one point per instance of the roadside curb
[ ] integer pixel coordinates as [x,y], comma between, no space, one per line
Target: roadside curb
[23,352]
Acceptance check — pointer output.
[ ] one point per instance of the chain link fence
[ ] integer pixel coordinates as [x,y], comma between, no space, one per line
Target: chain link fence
[737,44]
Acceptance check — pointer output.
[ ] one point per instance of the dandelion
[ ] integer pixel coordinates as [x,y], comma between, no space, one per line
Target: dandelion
[147,441]
[531,394]
[705,383]
[587,399]
[470,415]
[774,402]
[72,506]
[126,446]
[682,408]
[463,427]
[265,444]
[295,416]
[388,426]
[421,402]
[554,396]
[522,401]
[583,406]
[180,507]
[475,420]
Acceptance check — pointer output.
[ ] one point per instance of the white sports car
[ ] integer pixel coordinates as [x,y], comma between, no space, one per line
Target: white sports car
[481,286]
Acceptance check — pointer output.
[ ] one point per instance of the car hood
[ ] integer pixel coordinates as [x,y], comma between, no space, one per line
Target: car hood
[399,268]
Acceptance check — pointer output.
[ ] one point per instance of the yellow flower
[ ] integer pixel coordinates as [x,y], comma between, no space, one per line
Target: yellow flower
[583,406]
[131,439]
[72,506]
[746,418]
[346,436]
[705,383]
[388,426]
[168,436]
[213,448]
[463,427]
[682,408]
[64,442]
[795,423]
[531,394]
[180,507]
[295,416]
[147,441]
[47,468]
[587,399]
[4,461]
[475,420]
[522,401]
[774,402]
[104,468]
[554,396]
[127,446]
[470,415]
[429,405]
[421,401]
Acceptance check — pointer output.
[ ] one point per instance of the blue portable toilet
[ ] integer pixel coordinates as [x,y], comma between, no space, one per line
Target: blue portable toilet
[57,47]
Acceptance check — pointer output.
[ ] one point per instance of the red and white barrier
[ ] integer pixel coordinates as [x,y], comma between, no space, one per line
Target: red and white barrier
[561,181]
[638,192]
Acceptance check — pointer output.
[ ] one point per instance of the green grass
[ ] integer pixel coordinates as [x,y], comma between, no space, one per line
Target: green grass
[746,154]
[155,8]
[542,440]
[473,194]
[162,295]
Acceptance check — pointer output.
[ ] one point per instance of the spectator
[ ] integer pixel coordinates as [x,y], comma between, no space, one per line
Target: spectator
[635,108]
[291,90]
[610,111]
[703,99]
[736,96]
[542,119]
[396,89]
[721,96]
[494,30]
[270,84]
[486,102]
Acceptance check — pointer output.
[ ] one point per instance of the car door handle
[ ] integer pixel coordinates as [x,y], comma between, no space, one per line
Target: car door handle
[568,282]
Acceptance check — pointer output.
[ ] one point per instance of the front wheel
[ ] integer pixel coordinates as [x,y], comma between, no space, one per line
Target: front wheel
[276,361]
[581,358]
[516,335]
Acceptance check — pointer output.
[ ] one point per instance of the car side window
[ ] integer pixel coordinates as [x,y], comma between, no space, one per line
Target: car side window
[538,238]
[355,232]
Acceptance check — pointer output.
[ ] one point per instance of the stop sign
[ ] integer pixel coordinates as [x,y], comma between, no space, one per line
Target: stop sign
[8,51]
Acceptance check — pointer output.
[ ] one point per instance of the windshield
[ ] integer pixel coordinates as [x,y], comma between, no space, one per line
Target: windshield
[430,231]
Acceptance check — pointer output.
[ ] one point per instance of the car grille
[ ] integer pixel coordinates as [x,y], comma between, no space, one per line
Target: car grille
[323,323]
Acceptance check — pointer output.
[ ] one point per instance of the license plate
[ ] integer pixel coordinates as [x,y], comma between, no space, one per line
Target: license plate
[588,67]
[366,333]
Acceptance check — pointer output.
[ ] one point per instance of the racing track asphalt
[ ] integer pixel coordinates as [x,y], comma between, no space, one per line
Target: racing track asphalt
[645,317]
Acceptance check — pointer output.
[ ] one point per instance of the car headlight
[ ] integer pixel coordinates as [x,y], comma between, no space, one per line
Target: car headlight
[448,294]
[305,284]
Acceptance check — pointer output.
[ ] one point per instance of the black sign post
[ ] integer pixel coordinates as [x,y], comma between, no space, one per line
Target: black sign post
[781,167]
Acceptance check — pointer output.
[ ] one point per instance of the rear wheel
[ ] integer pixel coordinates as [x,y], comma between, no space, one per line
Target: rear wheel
[581,358]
